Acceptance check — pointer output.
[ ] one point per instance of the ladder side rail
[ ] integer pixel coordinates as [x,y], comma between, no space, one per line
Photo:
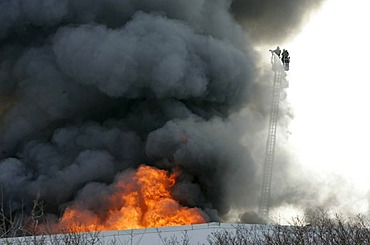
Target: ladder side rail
[270,146]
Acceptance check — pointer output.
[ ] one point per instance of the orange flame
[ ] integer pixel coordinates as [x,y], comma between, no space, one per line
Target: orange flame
[144,201]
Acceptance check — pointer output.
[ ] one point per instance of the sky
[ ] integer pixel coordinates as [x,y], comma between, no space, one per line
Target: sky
[329,97]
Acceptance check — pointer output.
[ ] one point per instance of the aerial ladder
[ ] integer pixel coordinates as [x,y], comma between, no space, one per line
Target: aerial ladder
[279,78]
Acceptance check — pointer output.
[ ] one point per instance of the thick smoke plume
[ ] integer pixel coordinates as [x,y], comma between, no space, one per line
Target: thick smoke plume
[90,89]
[270,21]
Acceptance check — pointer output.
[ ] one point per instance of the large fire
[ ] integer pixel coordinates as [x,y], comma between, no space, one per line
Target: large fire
[142,200]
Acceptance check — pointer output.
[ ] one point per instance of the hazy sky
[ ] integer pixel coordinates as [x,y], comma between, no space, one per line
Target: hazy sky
[329,96]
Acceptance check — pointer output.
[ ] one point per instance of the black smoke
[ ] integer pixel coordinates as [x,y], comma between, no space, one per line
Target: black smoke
[92,88]
[270,21]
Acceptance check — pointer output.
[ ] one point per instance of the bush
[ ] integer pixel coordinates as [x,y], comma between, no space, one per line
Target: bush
[316,228]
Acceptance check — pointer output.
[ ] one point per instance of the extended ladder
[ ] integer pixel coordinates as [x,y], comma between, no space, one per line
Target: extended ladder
[271,138]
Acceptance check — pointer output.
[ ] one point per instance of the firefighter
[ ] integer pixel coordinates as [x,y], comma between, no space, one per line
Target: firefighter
[285,59]
[285,56]
[277,51]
